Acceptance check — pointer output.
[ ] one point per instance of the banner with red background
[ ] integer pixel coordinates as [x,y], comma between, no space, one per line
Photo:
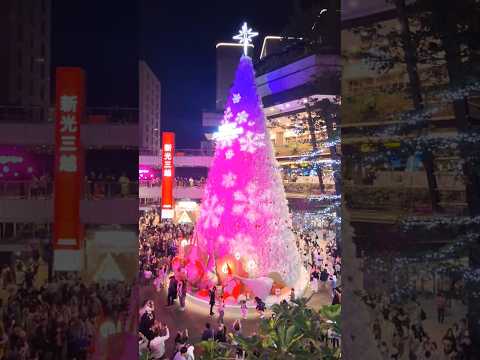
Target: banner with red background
[168,173]
[70,106]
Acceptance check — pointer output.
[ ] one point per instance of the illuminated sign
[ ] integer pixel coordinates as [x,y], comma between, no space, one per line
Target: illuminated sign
[70,98]
[168,173]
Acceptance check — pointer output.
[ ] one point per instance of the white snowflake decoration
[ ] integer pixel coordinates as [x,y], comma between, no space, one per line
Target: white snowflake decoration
[226,134]
[236,98]
[229,154]
[251,142]
[242,246]
[242,117]
[212,210]
[251,123]
[252,202]
[227,115]
[229,180]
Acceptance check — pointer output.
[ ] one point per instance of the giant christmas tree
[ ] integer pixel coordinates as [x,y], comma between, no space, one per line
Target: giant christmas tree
[244,223]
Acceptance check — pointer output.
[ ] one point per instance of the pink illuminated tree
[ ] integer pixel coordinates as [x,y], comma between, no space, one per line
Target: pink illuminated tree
[244,216]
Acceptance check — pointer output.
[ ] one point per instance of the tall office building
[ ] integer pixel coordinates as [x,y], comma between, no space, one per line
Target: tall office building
[25,58]
[150,96]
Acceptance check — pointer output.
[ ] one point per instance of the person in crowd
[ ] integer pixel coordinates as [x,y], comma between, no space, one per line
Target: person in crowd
[333,279]
[221,333]
[292,294]
[147,321]
[324,277]
[208,333]
[314,279]
[124,182]
[172,291]
[221,310]
[244,309]
[161,333]
[336,300]
[237,328]
[441,306]
[212,294]
[181,339]
[260,307]
[182,293]
[185,353]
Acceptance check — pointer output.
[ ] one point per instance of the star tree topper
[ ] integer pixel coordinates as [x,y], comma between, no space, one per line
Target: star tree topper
[244,37]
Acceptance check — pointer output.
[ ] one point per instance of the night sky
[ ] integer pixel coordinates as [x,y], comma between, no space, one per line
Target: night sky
[176,38]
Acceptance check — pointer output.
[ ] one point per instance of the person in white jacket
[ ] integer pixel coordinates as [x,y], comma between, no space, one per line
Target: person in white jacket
[157,344]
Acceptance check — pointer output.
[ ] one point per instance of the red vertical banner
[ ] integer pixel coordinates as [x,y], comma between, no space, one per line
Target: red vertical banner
[168,173]
[70,107]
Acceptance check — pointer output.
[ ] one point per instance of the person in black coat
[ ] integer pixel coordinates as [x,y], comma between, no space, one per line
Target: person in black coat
[172,291]
[212,293]
[146,324]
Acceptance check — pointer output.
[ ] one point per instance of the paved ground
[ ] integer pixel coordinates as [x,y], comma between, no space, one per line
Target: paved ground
[195,315]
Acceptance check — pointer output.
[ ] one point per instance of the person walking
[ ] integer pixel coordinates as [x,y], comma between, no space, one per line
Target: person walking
[172,291]
[441,305]
[324,277]
[333,279]
[182,293]
[244,309]
[212,293]
[314,279]
[221,310]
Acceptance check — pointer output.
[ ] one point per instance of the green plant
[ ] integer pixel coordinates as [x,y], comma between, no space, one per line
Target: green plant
[293,333]
[214,350]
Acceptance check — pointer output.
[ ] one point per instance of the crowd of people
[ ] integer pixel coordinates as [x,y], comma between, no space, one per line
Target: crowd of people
[322,259]
[159,242]
[179,181]
[98,185]
[190,181]
[400,331]
[56,319]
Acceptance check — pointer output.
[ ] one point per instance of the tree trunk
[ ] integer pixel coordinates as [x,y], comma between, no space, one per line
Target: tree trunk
[411,58]
[313,142]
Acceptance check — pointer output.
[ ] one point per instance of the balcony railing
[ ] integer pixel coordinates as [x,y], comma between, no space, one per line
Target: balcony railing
[93,190]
